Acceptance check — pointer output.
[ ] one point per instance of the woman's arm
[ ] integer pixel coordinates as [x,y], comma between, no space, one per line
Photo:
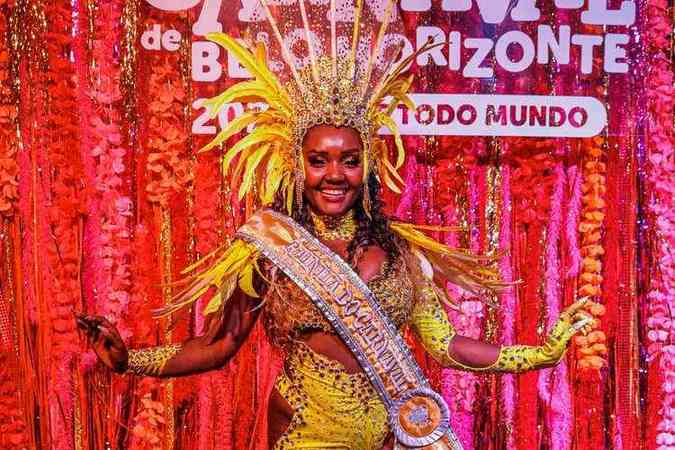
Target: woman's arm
[213,349]
[210,351]
[431,324]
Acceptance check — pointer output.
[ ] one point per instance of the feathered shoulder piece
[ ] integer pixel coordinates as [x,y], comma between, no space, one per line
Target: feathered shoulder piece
[222,270]
[439,263]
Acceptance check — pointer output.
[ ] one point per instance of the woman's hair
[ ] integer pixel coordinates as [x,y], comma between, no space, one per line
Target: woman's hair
[373,230]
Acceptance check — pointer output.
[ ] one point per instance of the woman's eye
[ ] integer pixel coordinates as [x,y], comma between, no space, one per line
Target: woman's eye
[352,162]
[316,161]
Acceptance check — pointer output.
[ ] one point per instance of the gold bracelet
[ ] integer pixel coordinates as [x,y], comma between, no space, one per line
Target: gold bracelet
[151,361]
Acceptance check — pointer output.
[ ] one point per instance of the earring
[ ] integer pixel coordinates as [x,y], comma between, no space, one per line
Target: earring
[366,201]
[299,185]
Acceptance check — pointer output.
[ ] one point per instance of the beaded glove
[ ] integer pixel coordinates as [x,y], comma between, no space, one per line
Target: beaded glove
[521,358]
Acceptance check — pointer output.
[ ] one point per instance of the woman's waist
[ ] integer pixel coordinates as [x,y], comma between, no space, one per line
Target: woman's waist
[307,365]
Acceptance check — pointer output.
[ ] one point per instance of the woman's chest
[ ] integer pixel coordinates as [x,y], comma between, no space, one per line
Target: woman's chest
[289,312]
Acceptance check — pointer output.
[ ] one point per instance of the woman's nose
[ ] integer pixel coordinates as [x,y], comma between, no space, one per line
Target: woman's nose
[335,172]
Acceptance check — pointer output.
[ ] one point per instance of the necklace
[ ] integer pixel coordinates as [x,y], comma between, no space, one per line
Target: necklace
[330,228]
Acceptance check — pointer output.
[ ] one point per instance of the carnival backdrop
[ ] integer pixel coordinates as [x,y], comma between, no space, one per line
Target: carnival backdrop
[104,200]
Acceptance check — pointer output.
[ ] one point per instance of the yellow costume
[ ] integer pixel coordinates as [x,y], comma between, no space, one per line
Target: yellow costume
[335,409]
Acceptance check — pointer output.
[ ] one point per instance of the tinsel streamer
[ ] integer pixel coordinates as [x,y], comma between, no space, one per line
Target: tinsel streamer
[129,55]
[661,204]
[210,232]
[9,139]
[473,309]
[623,301]
[34,61]
[148,422]
[13,397]
[554,390]
[531,189]
[12,421]
[508,304]
[165,256]
[458,387]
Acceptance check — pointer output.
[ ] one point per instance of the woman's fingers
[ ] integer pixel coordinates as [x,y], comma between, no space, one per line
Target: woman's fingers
[576,306]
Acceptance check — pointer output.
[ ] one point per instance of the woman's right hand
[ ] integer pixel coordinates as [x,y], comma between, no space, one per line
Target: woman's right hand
[105,340]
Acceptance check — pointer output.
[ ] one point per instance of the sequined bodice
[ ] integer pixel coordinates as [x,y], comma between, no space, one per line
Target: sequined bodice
[289,312]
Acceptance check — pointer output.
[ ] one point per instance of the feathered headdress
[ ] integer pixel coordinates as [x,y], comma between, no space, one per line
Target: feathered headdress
[352,65]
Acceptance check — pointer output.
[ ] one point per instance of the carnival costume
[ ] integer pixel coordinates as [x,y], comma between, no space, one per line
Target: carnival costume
[353,66]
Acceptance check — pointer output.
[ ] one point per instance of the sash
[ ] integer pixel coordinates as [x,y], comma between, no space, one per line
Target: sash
[418,416]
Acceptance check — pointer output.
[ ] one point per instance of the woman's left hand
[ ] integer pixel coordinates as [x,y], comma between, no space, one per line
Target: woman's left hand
[573,319]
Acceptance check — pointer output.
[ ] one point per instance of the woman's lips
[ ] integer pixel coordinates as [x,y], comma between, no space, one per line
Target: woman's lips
[333,195]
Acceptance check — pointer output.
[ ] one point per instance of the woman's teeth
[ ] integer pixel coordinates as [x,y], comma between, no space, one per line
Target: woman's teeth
[333,192]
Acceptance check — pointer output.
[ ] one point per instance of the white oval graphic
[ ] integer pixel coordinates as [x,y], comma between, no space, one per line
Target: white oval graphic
[501,115]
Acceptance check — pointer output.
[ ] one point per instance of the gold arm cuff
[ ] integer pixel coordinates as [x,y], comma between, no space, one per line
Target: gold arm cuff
[151,361]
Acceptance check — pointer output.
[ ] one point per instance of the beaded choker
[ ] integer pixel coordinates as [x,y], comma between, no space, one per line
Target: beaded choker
[332,228]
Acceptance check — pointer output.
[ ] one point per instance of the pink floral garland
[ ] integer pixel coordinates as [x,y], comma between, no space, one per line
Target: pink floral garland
[660,154]
[107,154]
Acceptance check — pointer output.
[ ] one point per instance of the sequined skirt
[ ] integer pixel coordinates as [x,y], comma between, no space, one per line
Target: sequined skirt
[332,408]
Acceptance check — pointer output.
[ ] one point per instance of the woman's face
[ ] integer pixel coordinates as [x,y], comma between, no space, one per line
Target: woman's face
[333,169]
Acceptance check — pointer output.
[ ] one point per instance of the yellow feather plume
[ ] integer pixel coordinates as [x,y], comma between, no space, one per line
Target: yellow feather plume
[458,266]
[232,128]
[229,266]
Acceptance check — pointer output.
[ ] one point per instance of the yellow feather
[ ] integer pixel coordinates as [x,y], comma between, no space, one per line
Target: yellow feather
[223,274]
[251,165]
[257,68]
[232,128]
[290,192]
[391,170]
[273,177]
[397,89]
[244,91]
[389,123]
[261,53]
[203,259]
[272,116]
[214,304]
[409,233]
[394,74]
[258,135]
[389,182]
[246,281]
